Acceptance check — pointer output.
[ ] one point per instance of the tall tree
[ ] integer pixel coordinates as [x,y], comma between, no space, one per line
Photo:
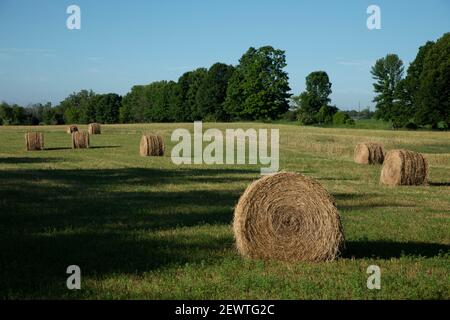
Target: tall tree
[133,105]
[258,89]
[107,107]
[387,72]
[432,97]
[78,107]
[313,104]
[212,92]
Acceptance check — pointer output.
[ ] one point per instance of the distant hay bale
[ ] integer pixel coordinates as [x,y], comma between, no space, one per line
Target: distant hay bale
[71,129]
[34,141]
[369,153]
[151,145]
[403,167]
[80,140]
[287,217]
[94,128]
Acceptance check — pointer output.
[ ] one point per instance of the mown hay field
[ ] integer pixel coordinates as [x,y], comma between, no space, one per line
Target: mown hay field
[142,227]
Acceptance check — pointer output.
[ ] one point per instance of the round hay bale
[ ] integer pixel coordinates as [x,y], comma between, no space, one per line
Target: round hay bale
[34,141]
[369,153]
[287,217]
[151,145]
[94,128]
[71,129]
[80,140]
[404,167]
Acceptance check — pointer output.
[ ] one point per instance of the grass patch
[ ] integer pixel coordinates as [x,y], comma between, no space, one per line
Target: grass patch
[145,228]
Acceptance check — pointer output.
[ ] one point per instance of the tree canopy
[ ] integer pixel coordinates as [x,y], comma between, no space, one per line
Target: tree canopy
[259,87]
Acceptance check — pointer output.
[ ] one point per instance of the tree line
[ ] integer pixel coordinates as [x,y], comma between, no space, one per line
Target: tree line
[258,89]
[422,97]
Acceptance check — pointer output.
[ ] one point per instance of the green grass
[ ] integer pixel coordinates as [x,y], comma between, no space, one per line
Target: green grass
[145,228]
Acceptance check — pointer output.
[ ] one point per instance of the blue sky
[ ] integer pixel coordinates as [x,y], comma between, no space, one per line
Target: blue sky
[123,43]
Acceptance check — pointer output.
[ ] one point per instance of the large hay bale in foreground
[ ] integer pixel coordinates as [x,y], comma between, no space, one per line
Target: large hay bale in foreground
[369,153]
[80,140]
[34,141]
[403,167]
[94,128]
[287,217]
[71,129]
[151,145]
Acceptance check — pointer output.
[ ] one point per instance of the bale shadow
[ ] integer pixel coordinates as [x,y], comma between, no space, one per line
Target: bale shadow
[104,147]
[439,184]
[391,249]
[57,148]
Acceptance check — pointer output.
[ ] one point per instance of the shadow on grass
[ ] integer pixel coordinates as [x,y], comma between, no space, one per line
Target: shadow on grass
[22,160]
[118,221]
[103,147]
[57,148]
[439,184]
[387,249]
[91,147]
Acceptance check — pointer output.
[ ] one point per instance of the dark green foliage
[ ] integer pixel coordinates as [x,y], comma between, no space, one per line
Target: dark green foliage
[313,104]
[87,106]
[387,72]
[106,108]
[161,99]
[325,114]
[432,98]
[190,83]
[258,89]
[79,107]
[133,106]
[423,97]
[212,92]
[290,115]
[341,118]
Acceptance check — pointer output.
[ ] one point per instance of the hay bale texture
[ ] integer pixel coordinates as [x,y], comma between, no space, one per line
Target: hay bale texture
[369,153]
[403,167]
[287,217]
[151,145]
[80,140]
[94,128]
[34,141]
[71,129]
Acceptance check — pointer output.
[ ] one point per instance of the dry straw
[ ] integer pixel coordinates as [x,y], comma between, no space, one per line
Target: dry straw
[34,141]
[80,140]
[72,129]
[369,153]
[403,167]
[94,128]
[151,145]
[287,217]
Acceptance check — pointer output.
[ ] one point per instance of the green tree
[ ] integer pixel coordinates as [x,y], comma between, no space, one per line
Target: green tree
[432,96]
[313,104]
[6,113]
[387,72]
[341,118]
[212,92]
[79,107]
[107,107]
[258,88]
[162,96]
[133,106]
[189,86]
